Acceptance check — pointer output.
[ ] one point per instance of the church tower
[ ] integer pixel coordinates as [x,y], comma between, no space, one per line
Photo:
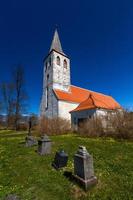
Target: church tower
[56,76]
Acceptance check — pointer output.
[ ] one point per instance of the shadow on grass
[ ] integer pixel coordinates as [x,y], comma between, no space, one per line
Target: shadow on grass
[22,143]
[75,181]
[72,179]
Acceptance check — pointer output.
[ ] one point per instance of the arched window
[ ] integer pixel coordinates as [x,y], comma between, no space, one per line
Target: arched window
[58,60]
[65,64]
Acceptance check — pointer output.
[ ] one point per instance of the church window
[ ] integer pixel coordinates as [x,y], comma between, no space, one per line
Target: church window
[58,60]
[65,64]
[47,78]
[50,61]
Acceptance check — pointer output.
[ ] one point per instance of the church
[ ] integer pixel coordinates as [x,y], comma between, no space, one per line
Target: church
[61,99]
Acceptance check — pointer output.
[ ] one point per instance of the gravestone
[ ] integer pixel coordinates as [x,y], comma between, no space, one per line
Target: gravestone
[30,140]
[83,168]
[60,160]
[44,145]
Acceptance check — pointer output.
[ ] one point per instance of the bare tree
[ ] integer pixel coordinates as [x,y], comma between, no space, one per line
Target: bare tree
[13,98]
[7,105]
[20,94]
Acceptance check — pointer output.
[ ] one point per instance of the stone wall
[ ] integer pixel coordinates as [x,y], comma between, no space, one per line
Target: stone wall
[52,110]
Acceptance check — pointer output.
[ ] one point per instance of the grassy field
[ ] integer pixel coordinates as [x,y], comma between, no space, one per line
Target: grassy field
[25,173]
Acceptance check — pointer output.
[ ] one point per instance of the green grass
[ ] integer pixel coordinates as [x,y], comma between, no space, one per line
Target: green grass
[25,173]
[11,133]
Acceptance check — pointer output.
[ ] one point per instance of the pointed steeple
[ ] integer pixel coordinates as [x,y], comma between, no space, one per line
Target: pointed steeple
[56,44]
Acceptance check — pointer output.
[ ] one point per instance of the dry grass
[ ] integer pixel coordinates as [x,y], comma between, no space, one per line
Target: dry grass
[55,126]
[122,124]
[92,128]
[119,126]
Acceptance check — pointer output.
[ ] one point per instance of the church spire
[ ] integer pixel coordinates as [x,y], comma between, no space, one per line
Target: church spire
[56,45]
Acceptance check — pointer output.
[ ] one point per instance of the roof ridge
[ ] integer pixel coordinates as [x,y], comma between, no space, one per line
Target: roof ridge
[100,101]
[92,91]
[91,96]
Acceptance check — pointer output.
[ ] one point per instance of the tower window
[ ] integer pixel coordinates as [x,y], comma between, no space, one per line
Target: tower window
[47,78]
[50,61]
[46,66]
[58,60]
[65,64]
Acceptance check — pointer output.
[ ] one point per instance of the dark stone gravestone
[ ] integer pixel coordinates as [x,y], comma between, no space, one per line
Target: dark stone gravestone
[30,140]
[12,197]
[44,145]
[83,168]
[60,160]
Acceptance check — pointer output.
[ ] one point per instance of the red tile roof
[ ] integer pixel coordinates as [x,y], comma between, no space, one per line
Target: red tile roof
[88,99]
[104,102]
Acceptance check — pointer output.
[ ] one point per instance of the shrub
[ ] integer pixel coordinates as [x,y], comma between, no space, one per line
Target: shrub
[122,124]
[119,125]
[55,126]
[91,127]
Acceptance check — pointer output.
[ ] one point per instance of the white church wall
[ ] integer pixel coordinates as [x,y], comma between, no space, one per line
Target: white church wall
[64,108]
[101,112]
[106,116]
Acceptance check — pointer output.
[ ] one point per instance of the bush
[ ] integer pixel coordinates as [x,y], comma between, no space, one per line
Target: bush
[119,125]
[91,127]
[23,127]
[122,124]
[55,126]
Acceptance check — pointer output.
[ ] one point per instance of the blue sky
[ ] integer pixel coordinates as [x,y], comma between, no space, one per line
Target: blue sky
[96,35]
